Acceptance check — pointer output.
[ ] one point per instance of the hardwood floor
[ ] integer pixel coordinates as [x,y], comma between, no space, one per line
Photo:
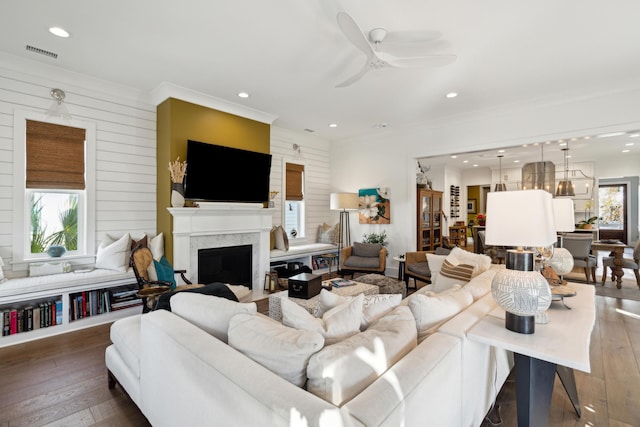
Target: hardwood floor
[62,381]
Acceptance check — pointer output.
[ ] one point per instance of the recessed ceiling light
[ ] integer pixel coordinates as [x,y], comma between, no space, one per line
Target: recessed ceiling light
[500,151]
[561,143]
[454,157]
[516,161]
[634,135]
[625,151]
[607,135]
[587,137]
[243,94]
[475,165]
[451,95]
[629,144]
[333,125]
[465,161]
[60,32]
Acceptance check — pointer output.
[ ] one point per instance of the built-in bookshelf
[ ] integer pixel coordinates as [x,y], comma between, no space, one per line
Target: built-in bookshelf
[26,316]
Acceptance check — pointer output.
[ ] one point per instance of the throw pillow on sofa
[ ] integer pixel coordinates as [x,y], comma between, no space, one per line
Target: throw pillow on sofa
[430,309]
[281,241]
[373,306]
[114,254]
[459,267]
[210,313]
[366,249]
[359,360]
[335,325]
[283,350]
[327,234]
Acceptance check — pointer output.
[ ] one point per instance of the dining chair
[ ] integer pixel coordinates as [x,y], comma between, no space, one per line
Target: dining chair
[580,249]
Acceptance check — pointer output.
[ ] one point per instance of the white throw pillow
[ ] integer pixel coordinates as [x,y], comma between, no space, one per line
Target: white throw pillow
[156,246]
[113,255]
[480,262]
[430,310]
[283,350]
[335,325]
[281,239]
[339,372]
[435,263]
[373,306]
[210,313]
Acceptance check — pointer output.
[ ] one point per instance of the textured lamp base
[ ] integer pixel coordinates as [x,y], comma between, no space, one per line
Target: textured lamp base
[520,324]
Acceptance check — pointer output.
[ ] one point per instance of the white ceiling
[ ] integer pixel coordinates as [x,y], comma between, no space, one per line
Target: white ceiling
[290,54]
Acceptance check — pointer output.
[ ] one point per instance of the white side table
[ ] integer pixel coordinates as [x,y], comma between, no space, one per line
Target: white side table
[275,310]
[558,346]
[401,260]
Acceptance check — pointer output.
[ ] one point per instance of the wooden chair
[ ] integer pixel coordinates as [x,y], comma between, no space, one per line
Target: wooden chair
[416,268]
[363,258]
[149,290]
[630,263]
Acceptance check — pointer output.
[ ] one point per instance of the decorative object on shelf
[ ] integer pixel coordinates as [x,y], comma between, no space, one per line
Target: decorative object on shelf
[343,202]
[471,206]
[271,281]
[482,219]
[565,187]
[500,186]
[272,195]
[178,170]
[518,219]
[587,224]
[374,205]
[422,179]
[56,251]
[58,109]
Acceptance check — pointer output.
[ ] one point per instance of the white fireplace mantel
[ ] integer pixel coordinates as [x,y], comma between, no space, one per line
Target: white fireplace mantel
[218,225]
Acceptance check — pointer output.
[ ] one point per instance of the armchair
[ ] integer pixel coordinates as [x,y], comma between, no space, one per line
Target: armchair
[362,258]
[580,249]
[417,268]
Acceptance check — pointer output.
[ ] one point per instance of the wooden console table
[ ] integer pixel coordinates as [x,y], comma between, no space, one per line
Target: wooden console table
[556,347]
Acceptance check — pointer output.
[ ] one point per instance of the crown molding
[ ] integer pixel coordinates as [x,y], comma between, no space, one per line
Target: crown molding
[166,90]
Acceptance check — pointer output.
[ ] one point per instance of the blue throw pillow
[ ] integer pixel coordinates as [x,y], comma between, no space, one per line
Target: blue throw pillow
[165,271]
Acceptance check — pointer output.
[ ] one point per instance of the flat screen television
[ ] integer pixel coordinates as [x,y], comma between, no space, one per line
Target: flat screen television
[224,174]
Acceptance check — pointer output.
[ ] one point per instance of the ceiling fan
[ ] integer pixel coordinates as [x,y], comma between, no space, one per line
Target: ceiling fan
[405,43]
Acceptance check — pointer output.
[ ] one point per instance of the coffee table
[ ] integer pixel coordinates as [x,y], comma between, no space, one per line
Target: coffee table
[275,310]
[559,346]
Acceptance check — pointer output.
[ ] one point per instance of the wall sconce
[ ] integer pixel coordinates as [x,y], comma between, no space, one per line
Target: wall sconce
[58,109]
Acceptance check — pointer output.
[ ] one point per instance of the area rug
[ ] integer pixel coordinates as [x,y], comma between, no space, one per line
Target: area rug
[629,288]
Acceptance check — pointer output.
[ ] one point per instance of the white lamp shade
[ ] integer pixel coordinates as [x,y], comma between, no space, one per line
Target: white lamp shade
[343,201]
[520,218]
[563,214]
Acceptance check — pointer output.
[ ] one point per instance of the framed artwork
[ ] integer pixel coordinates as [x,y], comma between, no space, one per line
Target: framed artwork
[374,206]
[471,206]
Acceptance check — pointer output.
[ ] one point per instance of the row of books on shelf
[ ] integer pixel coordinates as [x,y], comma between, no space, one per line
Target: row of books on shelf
[317,263]
[100,301]
[30,317]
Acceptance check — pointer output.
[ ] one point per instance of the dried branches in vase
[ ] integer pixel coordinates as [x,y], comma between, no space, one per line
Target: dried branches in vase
[178,170]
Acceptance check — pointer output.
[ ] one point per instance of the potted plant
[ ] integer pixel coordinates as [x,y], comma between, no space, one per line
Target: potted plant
[587,224]
[376,238]
[481,218]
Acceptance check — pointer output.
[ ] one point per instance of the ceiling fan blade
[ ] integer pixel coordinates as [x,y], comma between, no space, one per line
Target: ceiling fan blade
[351,80]
[353,33]
[417,61]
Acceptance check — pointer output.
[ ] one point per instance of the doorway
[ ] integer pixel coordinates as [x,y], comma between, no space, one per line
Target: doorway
[613,211]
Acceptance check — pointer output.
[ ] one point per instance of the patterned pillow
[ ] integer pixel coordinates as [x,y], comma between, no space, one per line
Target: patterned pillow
[327,234]
[451,274]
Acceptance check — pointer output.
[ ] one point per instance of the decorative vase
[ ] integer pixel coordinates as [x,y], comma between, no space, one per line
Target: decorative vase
[177,195]
[56,251]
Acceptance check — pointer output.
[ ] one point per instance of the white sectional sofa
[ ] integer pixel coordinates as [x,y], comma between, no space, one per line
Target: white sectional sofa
[179,374]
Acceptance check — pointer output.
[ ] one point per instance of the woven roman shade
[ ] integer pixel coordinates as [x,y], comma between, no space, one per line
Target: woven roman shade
[55,156]
[294,181]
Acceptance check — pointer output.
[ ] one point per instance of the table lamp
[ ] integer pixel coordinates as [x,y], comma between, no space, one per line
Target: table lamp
[520,219]
[563,213]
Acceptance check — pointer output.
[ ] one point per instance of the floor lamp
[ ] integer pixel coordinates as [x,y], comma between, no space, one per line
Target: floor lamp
[343,202]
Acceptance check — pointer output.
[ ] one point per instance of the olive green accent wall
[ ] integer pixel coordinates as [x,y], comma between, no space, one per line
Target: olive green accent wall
[473,192]
[178,121]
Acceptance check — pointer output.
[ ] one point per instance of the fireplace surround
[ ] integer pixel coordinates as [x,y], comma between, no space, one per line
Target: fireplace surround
[216,225]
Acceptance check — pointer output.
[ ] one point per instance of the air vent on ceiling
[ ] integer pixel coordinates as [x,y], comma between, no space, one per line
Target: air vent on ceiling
[309,130]
[42,51]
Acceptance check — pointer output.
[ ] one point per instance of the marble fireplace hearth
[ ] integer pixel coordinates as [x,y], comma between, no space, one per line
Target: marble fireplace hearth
[221,225]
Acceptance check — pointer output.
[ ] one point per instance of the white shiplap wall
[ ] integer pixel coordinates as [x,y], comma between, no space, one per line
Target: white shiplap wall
[125,148]
[315,157]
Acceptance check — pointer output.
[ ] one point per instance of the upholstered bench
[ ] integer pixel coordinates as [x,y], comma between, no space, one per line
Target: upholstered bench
[386,284]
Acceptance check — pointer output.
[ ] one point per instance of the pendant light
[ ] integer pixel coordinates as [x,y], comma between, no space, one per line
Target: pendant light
[500,186]
[565,187]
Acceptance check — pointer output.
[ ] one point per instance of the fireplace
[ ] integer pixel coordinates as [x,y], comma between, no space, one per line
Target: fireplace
[228,264]
[222,225]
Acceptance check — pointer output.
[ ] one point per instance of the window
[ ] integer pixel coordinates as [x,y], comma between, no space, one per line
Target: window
[54,185]
[294,208]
